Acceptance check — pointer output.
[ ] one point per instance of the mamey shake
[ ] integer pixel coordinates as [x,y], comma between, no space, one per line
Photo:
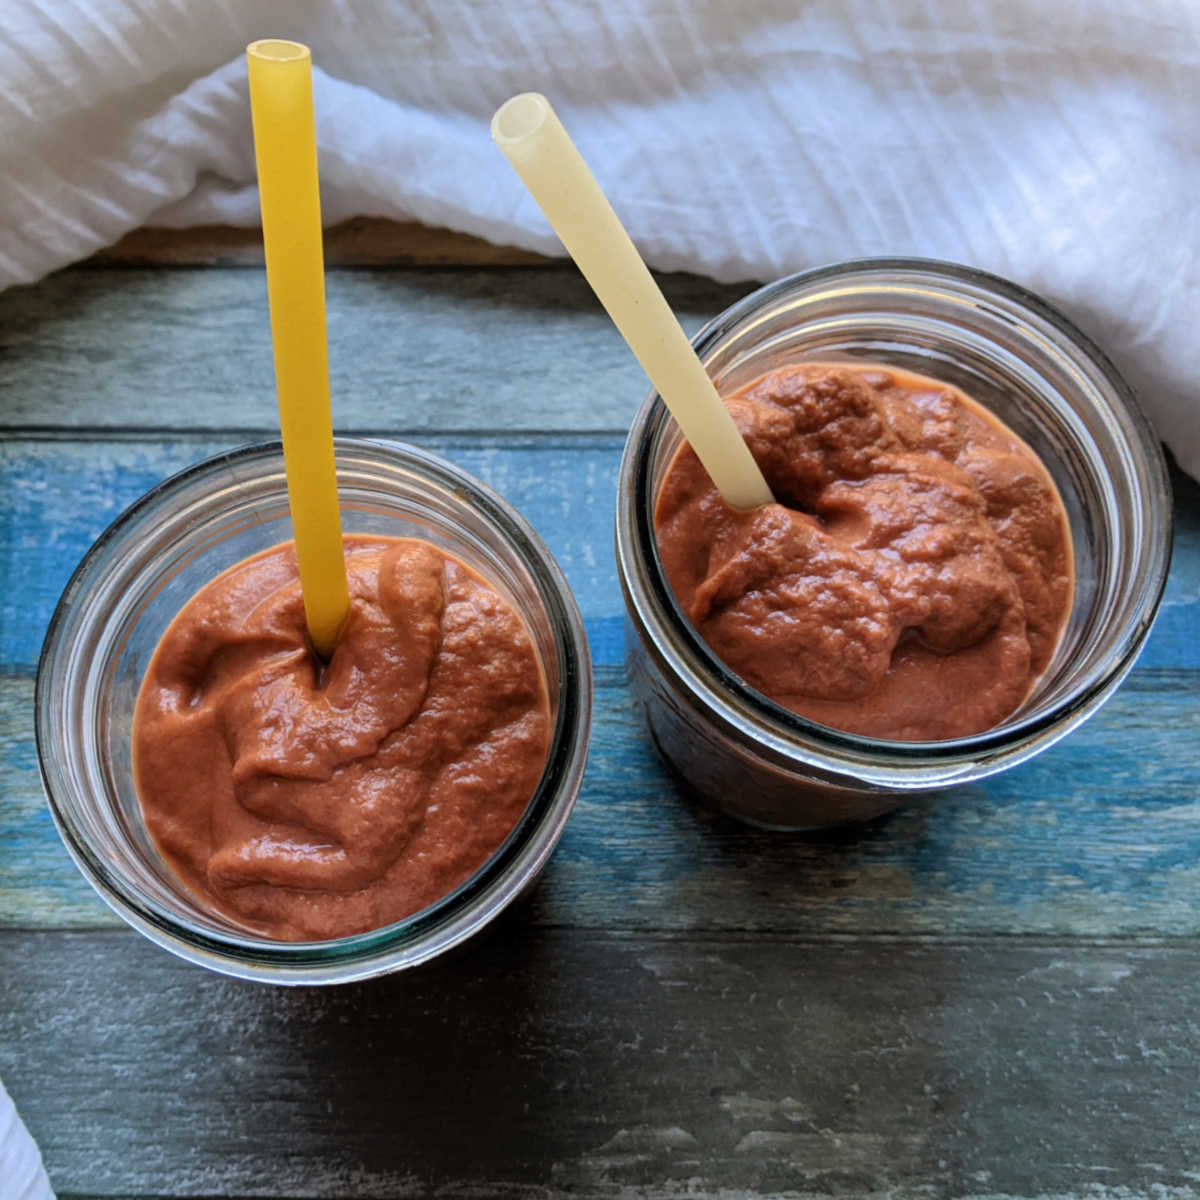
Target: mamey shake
[915,575]
[308,800]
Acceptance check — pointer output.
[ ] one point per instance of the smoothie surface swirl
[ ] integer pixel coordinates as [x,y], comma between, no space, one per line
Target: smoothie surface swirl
[914,578]
[308,801]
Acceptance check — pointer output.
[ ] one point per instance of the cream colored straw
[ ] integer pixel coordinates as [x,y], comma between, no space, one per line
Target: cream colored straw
[532,138]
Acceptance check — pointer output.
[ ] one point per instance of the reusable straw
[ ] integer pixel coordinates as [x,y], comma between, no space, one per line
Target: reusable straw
[532,138]
[285,146]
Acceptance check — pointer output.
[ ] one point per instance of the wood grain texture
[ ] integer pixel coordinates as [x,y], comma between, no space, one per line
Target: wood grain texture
[1087,840]
[594,1064]
[987,994]
[61,493]
[414,350]
[361,241]
[1099,836]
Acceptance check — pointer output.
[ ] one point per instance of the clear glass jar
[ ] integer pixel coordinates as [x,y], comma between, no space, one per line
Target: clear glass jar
[142,571]
[747,756]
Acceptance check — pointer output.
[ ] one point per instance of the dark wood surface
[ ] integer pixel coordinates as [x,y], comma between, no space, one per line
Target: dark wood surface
[360,241]
[561,1060]
[992,993]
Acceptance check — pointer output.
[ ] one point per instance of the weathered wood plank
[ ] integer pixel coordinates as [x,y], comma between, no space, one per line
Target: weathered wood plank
[1099,836]
[410,350]
[60,494]
[361,241]
[599,1065]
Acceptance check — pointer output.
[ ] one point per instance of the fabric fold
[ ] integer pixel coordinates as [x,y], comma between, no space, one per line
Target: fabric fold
[21,1170]
[1053,145]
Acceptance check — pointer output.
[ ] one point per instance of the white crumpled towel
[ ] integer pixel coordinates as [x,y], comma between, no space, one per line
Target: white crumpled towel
[21,1173]
[1056,144]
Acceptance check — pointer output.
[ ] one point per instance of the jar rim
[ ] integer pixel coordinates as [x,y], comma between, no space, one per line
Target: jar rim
[382,949]
[724,695]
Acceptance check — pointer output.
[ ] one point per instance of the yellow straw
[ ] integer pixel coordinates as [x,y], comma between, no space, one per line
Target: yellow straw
[285,145]
[532,138]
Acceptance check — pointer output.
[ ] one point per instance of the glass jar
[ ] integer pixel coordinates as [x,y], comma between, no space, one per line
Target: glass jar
[142,571]
[751,758]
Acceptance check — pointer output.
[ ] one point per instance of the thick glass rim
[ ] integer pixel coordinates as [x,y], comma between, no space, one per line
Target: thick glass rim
[375,950]
[726,696]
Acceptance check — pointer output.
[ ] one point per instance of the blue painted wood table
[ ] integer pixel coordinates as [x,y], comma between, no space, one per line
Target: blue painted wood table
[994,993]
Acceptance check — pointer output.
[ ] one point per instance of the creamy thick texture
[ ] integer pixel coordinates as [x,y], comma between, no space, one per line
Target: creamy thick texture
[916,574]
[309,802]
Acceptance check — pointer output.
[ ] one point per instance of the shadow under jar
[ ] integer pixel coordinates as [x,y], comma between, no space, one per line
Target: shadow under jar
[749,757]
[148,565]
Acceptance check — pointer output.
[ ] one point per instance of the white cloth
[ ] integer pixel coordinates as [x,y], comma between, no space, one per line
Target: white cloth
[1056,144]
[21,1173]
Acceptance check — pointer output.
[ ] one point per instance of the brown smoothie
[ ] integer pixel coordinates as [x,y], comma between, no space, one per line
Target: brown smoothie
[914,577]
[308,801]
